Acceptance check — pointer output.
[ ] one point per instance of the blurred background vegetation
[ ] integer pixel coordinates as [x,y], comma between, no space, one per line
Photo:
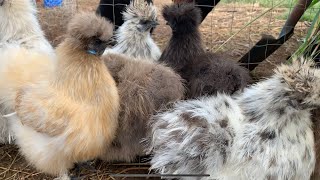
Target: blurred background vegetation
[288,4]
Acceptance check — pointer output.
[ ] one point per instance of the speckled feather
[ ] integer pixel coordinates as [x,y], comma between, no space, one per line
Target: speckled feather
[261,133]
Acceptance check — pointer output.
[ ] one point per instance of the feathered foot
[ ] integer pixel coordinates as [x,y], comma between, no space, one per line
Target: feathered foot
[63,177]
[83,165]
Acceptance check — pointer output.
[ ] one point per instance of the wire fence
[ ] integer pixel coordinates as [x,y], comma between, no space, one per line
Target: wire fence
[227,19]
[230,18]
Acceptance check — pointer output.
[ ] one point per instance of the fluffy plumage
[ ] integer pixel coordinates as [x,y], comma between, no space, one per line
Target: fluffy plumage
[134,37]
[20,26]
[19,67]
[316,129]
[262,133]
[72,116]
[205,6]
[112,10]
[205,73]
[142,93]
[19,29]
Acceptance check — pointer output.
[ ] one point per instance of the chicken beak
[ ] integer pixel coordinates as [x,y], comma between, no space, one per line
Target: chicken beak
[154,24]
[112,42]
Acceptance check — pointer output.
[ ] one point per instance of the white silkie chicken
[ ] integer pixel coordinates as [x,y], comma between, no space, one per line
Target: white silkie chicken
[19,31]
[20,27]
[133,36]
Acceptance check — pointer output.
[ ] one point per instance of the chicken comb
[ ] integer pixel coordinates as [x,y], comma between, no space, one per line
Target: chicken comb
[140,9]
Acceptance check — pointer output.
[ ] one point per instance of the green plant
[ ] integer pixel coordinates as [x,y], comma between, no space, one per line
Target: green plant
[309,15]
[265,3]
[310,46]
[288,4]
[247,25]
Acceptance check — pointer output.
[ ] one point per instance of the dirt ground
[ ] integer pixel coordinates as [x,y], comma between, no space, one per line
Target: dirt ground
[219,25]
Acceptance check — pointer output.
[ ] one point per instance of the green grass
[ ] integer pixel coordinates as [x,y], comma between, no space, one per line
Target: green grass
[264,3]
[308,15]
[312,39]
[289,4]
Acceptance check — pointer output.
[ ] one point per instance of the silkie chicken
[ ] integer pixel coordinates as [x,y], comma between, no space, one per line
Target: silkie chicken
[205,73]
[73,116]
[144,87]
[316,132]
[18,68]
[19,28]
[263,133]
[133,37]
[205,6]
[112,10]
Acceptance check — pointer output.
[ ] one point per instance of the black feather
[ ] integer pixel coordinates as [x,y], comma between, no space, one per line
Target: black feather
[205,73]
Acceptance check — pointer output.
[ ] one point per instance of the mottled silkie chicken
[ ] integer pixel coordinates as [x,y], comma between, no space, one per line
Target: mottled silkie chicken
[262,133]
[112,10]
[72,116]
[144,88]
[133,37]
[206,73]
[19,28]
[316,132]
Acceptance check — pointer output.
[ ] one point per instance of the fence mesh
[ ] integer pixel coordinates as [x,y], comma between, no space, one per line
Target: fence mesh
[226,19]
[230,17]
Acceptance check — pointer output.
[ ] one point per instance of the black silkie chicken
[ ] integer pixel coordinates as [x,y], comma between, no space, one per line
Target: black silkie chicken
[205,73]
[205,6]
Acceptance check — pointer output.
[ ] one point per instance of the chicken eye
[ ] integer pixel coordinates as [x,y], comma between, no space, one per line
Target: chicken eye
[143,22]
[98,41]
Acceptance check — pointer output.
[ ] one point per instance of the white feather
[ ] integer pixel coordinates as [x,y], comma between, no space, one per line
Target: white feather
[133,42]
[260,134]
[19,29]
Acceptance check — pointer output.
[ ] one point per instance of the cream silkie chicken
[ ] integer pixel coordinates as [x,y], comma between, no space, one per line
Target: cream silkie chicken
[71,117]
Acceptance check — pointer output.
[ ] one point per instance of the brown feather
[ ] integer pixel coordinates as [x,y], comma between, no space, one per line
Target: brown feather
[144,89]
